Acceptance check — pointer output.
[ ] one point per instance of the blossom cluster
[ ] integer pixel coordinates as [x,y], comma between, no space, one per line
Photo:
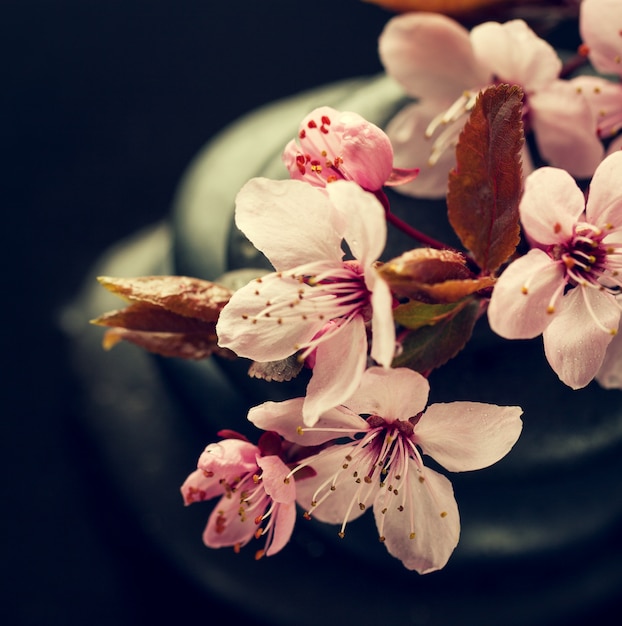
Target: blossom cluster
[544,260]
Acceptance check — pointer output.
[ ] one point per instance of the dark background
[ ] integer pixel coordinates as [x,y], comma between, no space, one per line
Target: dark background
[104,103]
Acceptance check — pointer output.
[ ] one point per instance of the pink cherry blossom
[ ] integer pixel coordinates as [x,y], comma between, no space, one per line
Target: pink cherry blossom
[600,23]
[444,67]
[315,303]
[341,145]
[381,465]
[567,287]
[254,490]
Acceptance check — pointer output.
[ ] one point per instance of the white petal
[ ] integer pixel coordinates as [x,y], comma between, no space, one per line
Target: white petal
[429,512]
[339,364]
[366,226]
[464,436]
[395,394]
[290,221]
[574,343]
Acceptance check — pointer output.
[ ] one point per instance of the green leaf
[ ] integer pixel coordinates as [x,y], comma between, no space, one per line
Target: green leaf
[415,314]
[429,347]
[486,184]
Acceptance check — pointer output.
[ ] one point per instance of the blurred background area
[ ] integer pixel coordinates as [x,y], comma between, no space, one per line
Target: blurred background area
[104,104]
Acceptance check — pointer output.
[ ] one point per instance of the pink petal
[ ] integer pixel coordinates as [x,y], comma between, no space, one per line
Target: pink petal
[395,394]
[290,221]
[430,55]
[285,418]
[401,176]
[199,487]
[284,519]
[244,328]
[382,323]
[365,224]
[604,97]
[339,364]
[515,54]
[600,22]
[337,507]
[228,456]
[411,149]
[464,436]
[366,151]
[565,129]
[341,145]
[551,204]
[429,511]
[514,314]
[225,527]
[274,479]
[228,459]
[574,343]
[610,373]
[604,205]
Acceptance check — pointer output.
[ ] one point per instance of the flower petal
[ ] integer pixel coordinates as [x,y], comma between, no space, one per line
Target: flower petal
[290,221]
[285,418]
[464,436]
[610,373]
[274,479]
[365,224]
[284,519]
[565,129]
[341,503]
[411,148]
[245,328]
[599,24]
[226,527]
[519,306]
[604,204]
[425,532]
[430,55]
[339,364]
[515,54]
[551,204]
[574,343]
[394,394]
[366,151]
[228,456]
[382,322]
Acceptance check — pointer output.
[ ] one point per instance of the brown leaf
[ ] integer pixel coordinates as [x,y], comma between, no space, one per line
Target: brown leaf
[278,371]
[191,297]
[143,316]
[181,345]
[432,276]
[486,185]
[173,316]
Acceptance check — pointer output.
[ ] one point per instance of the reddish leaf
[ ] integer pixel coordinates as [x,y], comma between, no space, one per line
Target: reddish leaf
[432,276]
[186,296]
[486,185]
[430,347]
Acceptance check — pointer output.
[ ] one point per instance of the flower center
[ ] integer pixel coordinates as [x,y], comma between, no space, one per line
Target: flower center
[378,460]
[322,156]
[589,260]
